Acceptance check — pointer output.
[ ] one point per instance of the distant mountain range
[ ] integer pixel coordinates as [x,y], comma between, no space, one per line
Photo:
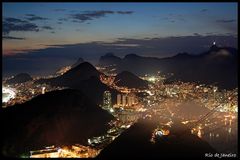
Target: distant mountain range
[134,143]
[85,78]
[109,59]
[79,61]
[54,118]
[216,66]
[128,79]
[19,78]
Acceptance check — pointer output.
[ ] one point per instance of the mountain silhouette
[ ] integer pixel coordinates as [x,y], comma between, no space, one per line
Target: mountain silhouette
[63,69]
[128,79]
[85,78]
[54,118]
[19,78]
[109,59]
[72,77]
[216,66]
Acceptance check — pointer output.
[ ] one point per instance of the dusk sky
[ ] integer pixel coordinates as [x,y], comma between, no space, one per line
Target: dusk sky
[70,30]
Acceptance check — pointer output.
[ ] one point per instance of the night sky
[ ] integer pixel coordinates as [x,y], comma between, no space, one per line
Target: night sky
[36,34]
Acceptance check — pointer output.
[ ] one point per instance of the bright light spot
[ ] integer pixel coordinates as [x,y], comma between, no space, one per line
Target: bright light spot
[7,94]
[59,150]
[152,79]
[111,110]
[43,90]
[150,93]
[159,133]
[89,141]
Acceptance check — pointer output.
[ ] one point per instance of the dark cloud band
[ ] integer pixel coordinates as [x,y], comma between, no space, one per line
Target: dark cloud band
[14,24]
[90,15]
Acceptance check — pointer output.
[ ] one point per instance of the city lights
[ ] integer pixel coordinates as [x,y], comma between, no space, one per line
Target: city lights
[8,94]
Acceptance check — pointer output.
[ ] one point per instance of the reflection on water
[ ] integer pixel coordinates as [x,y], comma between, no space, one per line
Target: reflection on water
[222,134]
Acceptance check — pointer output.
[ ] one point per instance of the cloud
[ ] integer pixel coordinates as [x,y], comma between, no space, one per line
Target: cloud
[204,10]
[91,15]
[32,17]
[47,27]
[13,38]
[196,34]
[60,10]
[226,20]
[14,24]
[14,20]
[228,25]
[61,20]
[124,12]
[174,17]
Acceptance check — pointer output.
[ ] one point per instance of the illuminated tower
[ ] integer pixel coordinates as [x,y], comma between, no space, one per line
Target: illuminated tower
[124,100]
[119,99]
[107,100]
[214,92]
[130,99]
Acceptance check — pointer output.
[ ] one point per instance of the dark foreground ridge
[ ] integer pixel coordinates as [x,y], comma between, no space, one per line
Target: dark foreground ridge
[55,118]
[135,143]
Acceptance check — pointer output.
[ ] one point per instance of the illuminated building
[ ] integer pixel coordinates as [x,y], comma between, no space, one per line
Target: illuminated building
[43,90]
[107,100]
[76,151]
[49,152]
[119,99]
[199,134]
[214,92]
[130,101]
[124,100]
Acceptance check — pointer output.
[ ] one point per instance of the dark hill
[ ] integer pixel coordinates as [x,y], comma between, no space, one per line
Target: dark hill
[128,79]
[72,77]
[215,66]
[81,72]
[135,143]
[85,78]
[94,89]
[19,78]
[55,118]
